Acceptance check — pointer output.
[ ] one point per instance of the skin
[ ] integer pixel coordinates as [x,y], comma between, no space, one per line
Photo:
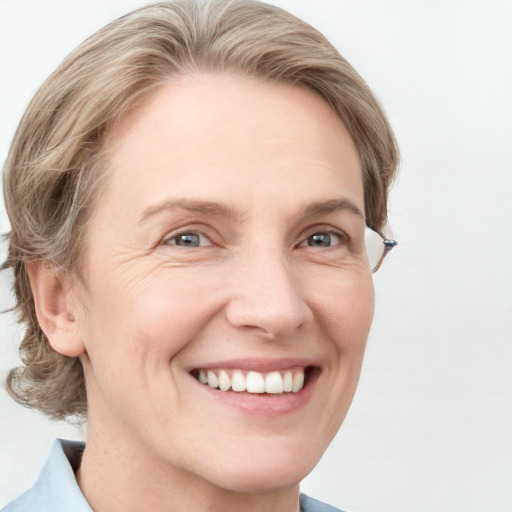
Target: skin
[146,310]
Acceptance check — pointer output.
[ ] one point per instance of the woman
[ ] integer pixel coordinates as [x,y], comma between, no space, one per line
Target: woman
[190,260]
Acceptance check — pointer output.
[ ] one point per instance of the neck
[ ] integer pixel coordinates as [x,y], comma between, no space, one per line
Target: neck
[115,475]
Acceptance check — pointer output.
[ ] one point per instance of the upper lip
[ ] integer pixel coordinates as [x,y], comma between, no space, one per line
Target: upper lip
[257,364]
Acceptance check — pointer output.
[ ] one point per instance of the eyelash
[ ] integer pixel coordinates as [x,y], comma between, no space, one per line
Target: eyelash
[343,239]
[191,233]
[199,237]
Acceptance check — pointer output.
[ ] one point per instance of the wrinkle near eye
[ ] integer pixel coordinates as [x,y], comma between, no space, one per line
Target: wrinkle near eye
[130,266]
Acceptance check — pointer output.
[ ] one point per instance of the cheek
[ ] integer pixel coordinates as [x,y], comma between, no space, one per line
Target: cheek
[145,321]
[345,310]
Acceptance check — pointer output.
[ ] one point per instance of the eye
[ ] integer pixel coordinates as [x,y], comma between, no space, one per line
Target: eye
[324,239]
[191,240]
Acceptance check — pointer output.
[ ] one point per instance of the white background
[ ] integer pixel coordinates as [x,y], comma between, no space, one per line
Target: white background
[431,425]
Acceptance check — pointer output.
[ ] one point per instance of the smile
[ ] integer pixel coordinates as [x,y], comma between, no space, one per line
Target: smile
[275,382]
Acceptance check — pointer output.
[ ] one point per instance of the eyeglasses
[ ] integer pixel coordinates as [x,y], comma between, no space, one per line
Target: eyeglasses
[377,247]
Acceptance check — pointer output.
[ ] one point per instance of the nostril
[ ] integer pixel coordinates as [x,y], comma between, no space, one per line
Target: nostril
[271,318]
[265,295]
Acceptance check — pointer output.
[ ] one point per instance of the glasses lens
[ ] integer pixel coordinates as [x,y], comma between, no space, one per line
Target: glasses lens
[374,247]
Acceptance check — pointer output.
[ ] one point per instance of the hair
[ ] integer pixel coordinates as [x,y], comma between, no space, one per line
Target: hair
[52,171]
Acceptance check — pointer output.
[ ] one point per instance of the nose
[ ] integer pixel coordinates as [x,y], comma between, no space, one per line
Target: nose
[266,297]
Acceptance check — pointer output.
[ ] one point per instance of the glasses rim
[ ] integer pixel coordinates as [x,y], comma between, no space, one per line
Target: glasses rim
[388,245]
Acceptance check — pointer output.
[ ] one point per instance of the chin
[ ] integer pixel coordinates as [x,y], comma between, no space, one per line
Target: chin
[268,479]
[265,473]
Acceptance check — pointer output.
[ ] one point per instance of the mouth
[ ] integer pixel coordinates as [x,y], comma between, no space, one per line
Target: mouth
[277,382]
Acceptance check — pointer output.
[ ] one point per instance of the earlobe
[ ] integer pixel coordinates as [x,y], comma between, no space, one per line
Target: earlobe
[55,308]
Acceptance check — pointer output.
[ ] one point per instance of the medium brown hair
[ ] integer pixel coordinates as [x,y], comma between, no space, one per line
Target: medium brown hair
[52,171]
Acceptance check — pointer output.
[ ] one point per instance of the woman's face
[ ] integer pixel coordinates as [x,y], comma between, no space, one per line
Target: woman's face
[227,243]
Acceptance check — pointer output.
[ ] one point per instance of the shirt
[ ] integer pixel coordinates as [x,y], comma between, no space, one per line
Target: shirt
[56,489]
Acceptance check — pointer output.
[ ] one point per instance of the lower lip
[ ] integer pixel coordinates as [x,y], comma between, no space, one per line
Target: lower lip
[263,404]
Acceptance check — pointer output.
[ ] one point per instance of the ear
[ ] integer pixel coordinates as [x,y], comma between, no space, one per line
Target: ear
[55,308]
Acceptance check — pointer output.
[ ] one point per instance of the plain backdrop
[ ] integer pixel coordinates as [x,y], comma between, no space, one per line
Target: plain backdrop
[431,425]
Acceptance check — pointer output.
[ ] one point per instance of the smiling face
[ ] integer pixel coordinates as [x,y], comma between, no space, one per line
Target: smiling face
[225,251]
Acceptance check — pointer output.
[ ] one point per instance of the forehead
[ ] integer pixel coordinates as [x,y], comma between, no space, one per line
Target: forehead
[214,135]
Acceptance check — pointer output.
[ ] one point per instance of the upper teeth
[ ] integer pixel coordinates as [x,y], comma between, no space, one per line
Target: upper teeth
[254,382]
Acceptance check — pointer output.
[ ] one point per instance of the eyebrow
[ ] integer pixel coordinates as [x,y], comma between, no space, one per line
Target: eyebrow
[219,209]
[332,206]
[210,208]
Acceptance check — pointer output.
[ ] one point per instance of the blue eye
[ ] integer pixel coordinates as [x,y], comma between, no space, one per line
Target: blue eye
[323,239]
[189,240]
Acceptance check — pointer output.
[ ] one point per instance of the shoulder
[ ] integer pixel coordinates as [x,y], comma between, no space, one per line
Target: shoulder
[308,504]
[56,489]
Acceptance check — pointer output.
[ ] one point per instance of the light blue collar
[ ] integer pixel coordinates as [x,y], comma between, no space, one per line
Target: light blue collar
[56,488]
